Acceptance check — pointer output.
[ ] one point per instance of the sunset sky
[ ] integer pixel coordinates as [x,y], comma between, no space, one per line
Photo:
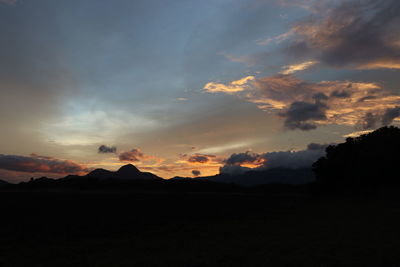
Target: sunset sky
[176,87]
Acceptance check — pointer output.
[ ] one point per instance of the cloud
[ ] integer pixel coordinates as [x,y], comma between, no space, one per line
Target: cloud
[196,173]
[107,149]
[34,155]
[372,120]
[341,94]
[389,115]
[306,105]
[357,133]
[135,155]
[238,163]
[316,146]
[227,147]
[232,87]
[352,34]
[277,39]
[233,169]
[369,121]
[297,67]
[302,115]
[181,169]
[246,158]
[248,60]
[205,163]
[198,158]
[43,164]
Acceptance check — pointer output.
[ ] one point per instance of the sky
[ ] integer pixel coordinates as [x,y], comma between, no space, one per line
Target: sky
[181,87]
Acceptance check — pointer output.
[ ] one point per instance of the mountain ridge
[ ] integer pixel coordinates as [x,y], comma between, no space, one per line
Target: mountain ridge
[129,173]
[125,172]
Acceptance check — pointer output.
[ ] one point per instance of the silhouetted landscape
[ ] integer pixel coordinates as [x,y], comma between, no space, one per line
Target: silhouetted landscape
[348,216]
[192,133]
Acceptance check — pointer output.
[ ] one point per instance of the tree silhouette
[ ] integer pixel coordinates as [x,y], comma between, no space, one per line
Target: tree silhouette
[361,164]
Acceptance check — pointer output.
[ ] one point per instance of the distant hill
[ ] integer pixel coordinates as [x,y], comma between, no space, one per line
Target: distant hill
[126,172]
[270,176]
[254,178]
[129,177]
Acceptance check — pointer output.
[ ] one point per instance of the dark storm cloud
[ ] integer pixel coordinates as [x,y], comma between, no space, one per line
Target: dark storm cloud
[240,158]
[107,149]
[352,33]
[279,159]
[301,114]
[196,172]
[233,169]
[292,159]
[37,163]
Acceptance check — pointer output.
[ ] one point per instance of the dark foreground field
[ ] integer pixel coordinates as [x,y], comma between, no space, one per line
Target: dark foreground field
[199,229]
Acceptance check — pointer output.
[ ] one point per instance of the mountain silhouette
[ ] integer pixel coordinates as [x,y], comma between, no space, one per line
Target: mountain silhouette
[100,173]
[129,176]
[126,172]
[270,176]
[260,177]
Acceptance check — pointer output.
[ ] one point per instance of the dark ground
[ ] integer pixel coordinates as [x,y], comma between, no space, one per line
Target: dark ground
[198,229]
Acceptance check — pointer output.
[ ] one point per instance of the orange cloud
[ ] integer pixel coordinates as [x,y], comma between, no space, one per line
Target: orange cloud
[298,67]
[135,155]
[40,164]
[198,158]
[231,88]
[316,103]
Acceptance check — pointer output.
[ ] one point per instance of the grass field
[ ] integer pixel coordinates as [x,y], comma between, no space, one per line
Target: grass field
[197,229]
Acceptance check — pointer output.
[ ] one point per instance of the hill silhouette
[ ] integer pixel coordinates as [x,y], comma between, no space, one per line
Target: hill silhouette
[128,177]
[361,164]
[261,177]
[127,172]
